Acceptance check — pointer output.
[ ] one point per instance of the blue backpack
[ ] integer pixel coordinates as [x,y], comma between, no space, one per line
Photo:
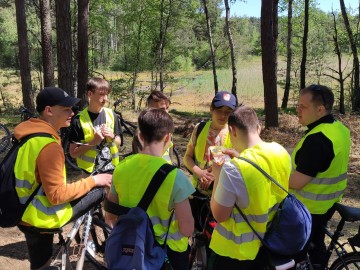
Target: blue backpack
[290,229]
[132,244]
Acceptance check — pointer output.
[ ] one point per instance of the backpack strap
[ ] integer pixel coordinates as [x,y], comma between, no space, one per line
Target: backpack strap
[23,141]
[154,185]
[199,129]
[268,177]
[148,196]
[264,173]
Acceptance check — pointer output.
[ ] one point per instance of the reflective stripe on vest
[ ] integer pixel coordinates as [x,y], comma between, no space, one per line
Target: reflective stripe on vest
[40,213]
[200,145]
[234,238]
[130,179]
[166,154]
[87,160]
[327,187]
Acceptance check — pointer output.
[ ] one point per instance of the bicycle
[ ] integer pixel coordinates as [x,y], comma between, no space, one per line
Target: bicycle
[91,223]
[347,252]
[6,135]
[200,240]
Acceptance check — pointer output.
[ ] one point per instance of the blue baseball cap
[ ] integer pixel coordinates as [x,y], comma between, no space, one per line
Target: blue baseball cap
[224,98]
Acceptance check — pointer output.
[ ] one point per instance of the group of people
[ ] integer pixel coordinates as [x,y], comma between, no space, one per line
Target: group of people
[315,172]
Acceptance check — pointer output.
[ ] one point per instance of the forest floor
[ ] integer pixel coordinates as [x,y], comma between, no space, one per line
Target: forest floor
[13,251]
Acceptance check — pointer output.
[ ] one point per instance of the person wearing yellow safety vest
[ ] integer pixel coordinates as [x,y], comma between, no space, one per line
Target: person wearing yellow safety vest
[238,182]
[197,156]
[155,100]
[134,173]
[320,162]
[95,131]
[41,161]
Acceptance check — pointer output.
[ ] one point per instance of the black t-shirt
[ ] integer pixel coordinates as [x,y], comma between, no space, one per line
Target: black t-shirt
[97,119]
[316,152]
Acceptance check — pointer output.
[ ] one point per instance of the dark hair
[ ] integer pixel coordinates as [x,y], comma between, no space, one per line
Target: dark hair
[321,95]
[244,118]
[98,84]
[154,124]
[157,96]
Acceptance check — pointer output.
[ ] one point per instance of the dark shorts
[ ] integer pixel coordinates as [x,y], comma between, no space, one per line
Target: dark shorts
[40,241]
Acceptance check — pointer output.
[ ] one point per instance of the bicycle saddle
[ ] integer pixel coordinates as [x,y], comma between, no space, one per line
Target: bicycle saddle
[347,212]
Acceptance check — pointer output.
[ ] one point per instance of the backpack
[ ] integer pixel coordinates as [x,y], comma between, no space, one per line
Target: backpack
[290,229]
[11,210]
[132,243]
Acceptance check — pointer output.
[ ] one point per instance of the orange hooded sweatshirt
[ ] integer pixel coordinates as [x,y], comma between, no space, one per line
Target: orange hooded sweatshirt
[50,165]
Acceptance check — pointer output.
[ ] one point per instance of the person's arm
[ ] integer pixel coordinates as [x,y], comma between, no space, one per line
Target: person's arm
[77,150]
[205,176]
[76,136]
[50,172]
[314,156]
[109,217]
[219,211]
[184,217]
[298,180]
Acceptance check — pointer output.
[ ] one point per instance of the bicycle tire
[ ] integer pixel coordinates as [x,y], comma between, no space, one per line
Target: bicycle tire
[5,138]
[99,231]
[349,261]
[175,157]
[69,159]
[198,256]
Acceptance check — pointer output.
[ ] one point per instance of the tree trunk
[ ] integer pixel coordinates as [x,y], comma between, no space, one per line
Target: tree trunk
[64,46]
[82,55]
[304,44]
[164,24]
[46,42]
[340,73]
[213,58]
[232,48]
[24,63]
[356,89]
[288,58]
[269,62]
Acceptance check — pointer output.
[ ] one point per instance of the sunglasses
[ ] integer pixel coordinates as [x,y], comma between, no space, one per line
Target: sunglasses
[317,90]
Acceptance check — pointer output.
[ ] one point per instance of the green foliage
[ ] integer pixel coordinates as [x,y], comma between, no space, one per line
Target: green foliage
[8,37]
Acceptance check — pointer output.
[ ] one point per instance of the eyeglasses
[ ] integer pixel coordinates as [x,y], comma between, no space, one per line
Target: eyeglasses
[316,89]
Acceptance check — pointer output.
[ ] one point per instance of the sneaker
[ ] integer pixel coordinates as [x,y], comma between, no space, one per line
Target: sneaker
[91,248]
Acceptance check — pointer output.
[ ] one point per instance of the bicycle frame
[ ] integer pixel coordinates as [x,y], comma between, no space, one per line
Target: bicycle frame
[348,214]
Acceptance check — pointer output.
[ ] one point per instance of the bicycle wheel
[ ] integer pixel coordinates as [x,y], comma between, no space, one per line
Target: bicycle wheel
[99,233]
[349,261]
[198,255]
[68,159]
[175,157]
[5,139]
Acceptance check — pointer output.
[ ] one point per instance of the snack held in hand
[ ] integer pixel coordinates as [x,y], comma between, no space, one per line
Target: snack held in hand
[218,156]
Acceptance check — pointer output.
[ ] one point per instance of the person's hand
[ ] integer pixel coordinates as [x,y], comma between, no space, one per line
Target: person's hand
[216,168]
[98,137]
[103,180]
[206,177]
[107,132]
[231,152]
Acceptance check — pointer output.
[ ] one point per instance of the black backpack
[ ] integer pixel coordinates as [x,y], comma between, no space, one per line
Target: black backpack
[11,210]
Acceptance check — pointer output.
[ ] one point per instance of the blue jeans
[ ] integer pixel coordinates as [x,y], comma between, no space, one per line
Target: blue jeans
[40,241]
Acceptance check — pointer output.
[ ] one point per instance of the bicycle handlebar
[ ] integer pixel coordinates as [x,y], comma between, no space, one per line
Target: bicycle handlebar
[117,102]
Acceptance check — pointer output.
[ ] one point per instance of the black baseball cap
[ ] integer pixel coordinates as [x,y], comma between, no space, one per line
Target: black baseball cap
[51,96]
[224,98]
